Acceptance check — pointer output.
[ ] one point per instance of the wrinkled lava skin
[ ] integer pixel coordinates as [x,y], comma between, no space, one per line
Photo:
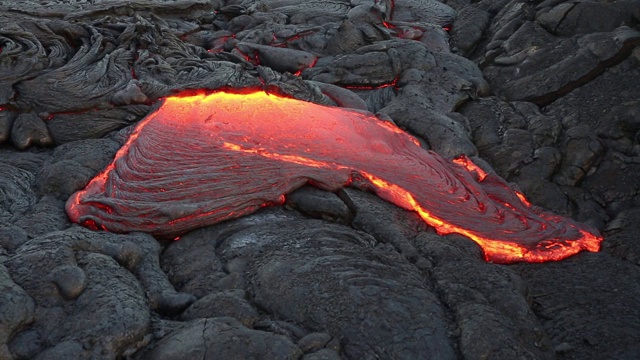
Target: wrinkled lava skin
[204,158]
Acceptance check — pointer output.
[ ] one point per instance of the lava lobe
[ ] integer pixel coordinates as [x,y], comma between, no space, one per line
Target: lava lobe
[204,158]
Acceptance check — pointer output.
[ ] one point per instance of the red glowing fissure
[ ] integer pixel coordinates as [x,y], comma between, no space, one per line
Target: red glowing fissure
[284,42]
[393,84]
[204,158]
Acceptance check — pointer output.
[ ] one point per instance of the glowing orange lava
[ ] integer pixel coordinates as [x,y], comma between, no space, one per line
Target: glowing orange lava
[204,158]
[471,167]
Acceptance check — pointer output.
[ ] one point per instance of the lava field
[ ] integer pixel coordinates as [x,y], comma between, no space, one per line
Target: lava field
[319,180]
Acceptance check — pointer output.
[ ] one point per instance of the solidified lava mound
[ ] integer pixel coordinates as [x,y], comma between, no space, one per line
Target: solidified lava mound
[201,159]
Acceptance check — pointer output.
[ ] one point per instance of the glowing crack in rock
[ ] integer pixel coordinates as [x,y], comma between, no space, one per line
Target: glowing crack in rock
[203,158]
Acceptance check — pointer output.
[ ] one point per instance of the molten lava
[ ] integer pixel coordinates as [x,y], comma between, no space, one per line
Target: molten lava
[200,159]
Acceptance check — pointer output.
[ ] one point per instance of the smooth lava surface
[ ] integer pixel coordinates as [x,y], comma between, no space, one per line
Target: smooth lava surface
[203,158]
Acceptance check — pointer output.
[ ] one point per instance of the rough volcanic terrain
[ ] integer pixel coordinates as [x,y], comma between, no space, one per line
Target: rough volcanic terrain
[544,94]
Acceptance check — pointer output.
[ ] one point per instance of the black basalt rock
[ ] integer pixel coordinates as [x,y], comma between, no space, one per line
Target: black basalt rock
[29,130]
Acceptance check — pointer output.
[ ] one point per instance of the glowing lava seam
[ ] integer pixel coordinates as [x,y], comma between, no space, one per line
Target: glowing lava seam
[204,158]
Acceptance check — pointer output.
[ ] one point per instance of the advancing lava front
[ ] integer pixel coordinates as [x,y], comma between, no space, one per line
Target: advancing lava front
[200,159]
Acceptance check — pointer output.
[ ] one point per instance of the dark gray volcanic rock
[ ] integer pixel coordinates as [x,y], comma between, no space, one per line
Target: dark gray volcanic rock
[525,147]
[376,304]
[621,233]
[535,66]
[334,277]
[595,308]
[86,282]
[72,165]
[17,310]
[543,93]
[222,338]
[488,304]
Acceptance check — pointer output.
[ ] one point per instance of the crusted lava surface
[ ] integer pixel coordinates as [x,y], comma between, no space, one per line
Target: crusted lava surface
[502,121]
[201,159]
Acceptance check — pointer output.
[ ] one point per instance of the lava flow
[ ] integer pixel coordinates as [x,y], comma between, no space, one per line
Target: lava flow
[203,158]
